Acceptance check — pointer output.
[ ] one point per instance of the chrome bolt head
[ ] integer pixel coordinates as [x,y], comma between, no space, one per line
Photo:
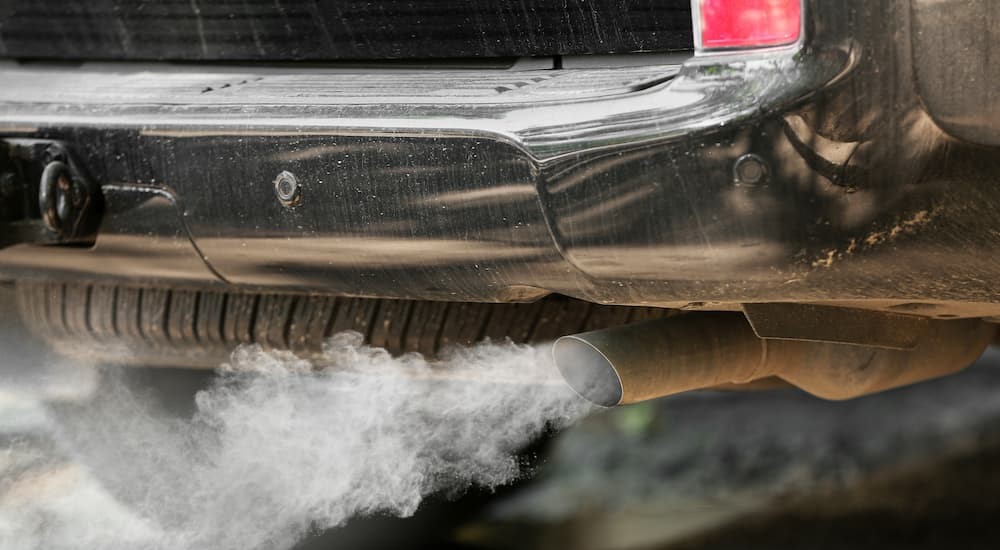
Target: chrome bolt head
[750,170]
[287,189]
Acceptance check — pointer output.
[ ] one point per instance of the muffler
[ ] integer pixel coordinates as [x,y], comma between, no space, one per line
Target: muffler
[644,361]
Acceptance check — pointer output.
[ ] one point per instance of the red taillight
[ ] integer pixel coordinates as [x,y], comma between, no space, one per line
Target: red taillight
[748,23]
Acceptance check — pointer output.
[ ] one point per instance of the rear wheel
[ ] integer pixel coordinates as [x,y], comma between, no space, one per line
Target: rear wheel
[159,326]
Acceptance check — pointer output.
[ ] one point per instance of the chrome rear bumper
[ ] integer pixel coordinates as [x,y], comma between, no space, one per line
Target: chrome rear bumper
[727,179]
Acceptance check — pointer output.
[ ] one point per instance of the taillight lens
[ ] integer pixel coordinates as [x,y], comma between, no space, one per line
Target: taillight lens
[731,24]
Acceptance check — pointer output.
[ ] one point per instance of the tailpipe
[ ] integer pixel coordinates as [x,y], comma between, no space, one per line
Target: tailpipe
[634,363]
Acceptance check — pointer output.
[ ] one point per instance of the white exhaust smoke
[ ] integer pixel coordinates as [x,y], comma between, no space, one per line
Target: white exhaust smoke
[279,449]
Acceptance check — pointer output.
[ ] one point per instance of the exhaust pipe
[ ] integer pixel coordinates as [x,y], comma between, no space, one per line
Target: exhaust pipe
[644,361]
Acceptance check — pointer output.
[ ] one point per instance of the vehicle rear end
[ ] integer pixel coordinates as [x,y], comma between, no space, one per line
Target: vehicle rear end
[811,184]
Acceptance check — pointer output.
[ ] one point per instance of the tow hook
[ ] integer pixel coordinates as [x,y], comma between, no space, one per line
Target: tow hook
[46,196]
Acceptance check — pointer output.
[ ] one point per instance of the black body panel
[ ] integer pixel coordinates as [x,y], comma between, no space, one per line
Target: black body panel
[813,173]
[324,30]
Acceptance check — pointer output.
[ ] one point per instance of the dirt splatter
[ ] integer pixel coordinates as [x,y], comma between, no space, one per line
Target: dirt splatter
[906,226]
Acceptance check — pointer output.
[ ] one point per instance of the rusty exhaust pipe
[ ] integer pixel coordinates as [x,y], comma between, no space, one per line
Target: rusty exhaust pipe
[634,363]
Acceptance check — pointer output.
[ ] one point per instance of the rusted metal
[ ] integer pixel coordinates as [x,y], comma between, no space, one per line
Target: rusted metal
[842,325]
[639,362]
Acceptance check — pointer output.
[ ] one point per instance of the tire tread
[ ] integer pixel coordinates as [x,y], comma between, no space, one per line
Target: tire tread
[193,328]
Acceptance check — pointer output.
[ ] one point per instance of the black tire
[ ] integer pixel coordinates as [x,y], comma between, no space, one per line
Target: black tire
[194,328]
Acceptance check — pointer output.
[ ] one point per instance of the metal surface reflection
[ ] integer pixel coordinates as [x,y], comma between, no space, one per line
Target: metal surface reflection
[617,187]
